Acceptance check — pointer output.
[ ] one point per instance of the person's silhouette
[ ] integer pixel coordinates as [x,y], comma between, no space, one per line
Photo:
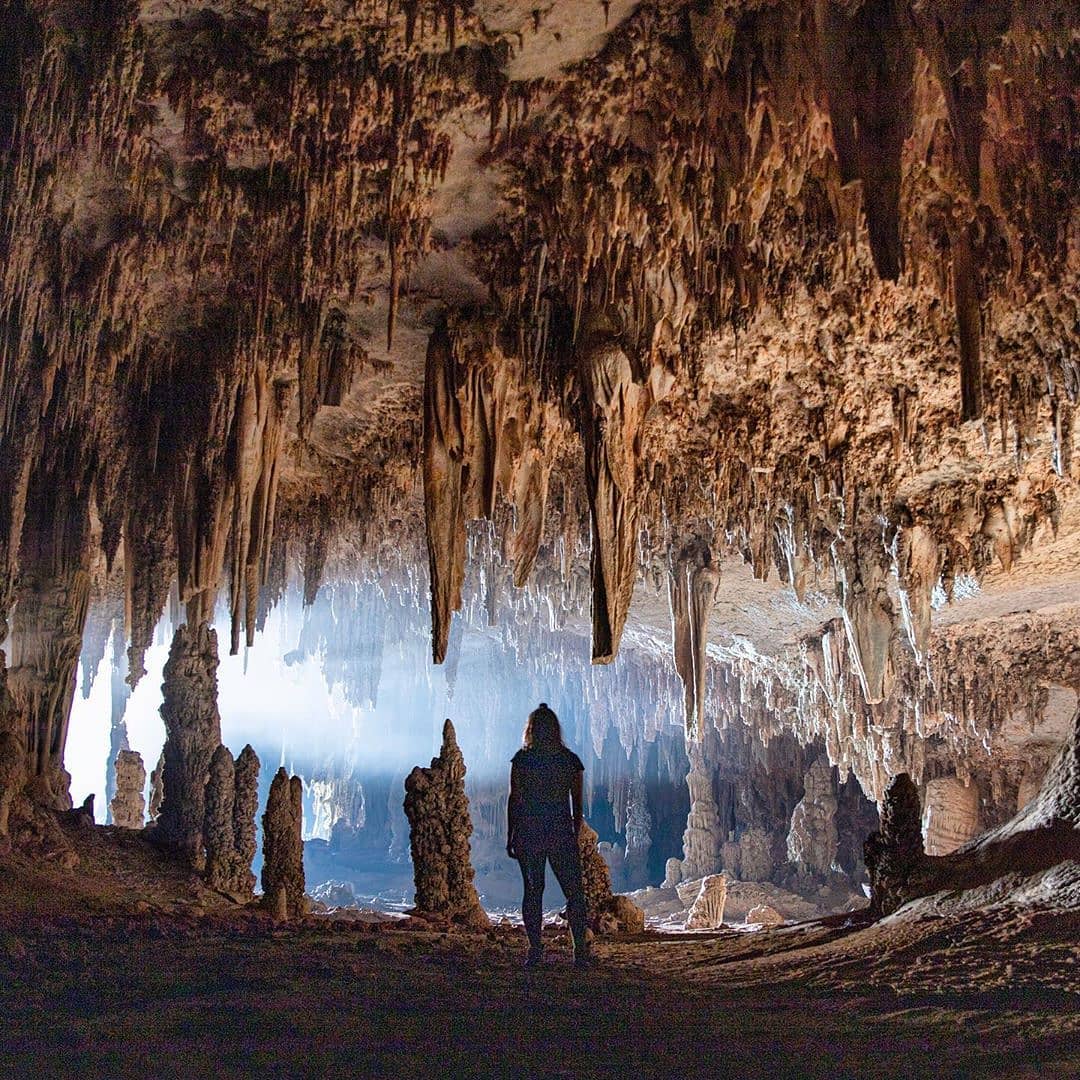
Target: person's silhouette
[543,821]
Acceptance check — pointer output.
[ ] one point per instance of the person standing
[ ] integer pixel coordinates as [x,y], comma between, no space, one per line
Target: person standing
[543,820]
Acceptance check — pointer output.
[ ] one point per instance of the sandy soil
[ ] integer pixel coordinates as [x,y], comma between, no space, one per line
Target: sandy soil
[128,967]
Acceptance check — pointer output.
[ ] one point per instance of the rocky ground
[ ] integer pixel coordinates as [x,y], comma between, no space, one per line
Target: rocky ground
[127,966]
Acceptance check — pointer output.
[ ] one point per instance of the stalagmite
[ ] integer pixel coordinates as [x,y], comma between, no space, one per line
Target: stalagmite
[245,807]
[119,692]
[894,855]
[672,873]
[439,830]
[193,733]
[229,827]
[950,815]
[283,847]
[702,839]
[707,911]
[128,803]
[217,825]
[51,605]
[157,788]
[812,838]
[13,772]
[607,912]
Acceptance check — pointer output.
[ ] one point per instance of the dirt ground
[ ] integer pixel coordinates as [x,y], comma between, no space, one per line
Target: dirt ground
[125,966]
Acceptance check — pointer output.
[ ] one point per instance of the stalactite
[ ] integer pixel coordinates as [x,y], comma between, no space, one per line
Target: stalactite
[692,589]
[615,408]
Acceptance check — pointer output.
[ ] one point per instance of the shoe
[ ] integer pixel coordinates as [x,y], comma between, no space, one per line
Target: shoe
[533,960]
[584,961]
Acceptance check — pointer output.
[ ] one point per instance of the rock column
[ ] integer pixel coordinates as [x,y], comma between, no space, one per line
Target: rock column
[606,911]
[231,800]
[702,839]
[894,854]
[812,839]
[950,815]
[283,847]
[12,750]
[439,829]
[707,911]
[193,733]
[128,803]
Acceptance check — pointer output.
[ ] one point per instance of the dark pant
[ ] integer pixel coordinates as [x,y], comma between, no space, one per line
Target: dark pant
[566,862]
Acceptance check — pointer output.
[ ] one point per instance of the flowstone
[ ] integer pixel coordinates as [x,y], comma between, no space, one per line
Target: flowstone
[439,829]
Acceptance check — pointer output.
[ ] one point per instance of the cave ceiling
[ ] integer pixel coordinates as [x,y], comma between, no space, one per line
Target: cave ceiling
[740,332]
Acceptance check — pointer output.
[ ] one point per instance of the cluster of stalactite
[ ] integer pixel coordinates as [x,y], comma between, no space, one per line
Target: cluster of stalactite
[191,211]
[706,261]
[972,710]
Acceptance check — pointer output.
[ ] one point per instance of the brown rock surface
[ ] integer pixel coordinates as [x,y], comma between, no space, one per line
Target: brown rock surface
[606,912]
[283,848]
[707,910]
[193,733]
[895,855]
[229,828]
[128,804]
[439,830]
[950,815]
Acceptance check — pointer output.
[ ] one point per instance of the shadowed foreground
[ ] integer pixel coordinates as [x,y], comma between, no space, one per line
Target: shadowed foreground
[218,993]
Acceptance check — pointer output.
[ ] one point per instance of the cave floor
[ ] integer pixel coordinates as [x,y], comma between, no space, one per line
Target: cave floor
[126,967]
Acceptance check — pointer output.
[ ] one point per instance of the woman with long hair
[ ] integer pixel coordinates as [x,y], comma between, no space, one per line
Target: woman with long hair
[543,821]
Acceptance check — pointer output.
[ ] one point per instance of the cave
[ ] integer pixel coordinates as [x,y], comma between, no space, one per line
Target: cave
[373,371]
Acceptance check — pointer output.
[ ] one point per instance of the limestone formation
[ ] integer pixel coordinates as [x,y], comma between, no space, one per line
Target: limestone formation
[12,750]
[894,855]
[607,912]
[783,290]
[702,839]
[128,804]
[638,831]
[812,839]
[157,788]
[764,915]
[192,734]
[950,815]
[672,873]
[245,807]
[707,912]
[283,847]
[439,823]
[229,827]
[615,407]
[692,591]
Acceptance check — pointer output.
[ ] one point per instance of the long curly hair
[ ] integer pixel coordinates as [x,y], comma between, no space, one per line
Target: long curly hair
[543,731]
